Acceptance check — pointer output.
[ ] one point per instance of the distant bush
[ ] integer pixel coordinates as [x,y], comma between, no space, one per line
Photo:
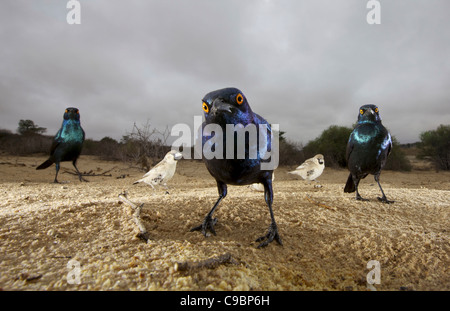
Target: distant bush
[435,145]
[4,132]
[397,160]
[29,140]
[15,144]
[332,144]
[145,146]
[28,127]
[106,149]
[290,153]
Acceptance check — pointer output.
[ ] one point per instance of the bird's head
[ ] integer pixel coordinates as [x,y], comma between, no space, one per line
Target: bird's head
[173,155]
[72,113]
[369,114]
[226,106]
[320,159]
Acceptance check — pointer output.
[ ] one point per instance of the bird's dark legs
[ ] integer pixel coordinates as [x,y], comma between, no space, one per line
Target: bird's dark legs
[273,229]
[209,222]
[79,174]
[57,170]
[383,198]
[358,196]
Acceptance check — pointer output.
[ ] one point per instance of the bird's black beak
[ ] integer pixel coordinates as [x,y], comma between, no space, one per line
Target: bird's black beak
[369,111]
[219,106]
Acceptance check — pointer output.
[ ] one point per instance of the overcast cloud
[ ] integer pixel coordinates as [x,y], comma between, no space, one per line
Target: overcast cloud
[303,64]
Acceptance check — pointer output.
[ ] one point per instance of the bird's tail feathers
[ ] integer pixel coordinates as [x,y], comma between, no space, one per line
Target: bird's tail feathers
[294,172]
[137,181]
[45,165]
[350,185]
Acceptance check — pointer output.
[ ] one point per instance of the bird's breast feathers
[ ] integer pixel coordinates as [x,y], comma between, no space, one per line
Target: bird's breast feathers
[71,131]
[369,133]
[254,145]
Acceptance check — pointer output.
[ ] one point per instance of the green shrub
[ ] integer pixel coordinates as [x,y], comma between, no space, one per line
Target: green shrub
[332,144]
[435,145]
[397,160]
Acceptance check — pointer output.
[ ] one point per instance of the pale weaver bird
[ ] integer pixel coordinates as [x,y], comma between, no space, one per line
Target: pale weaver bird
[162,172]
[310,169]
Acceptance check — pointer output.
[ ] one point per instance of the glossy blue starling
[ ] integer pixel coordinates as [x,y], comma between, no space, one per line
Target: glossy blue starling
[368,148]
[67,143]
[225,107]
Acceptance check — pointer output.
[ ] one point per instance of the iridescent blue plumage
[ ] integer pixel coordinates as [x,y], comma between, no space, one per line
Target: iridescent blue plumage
[368,147]
[229,107]
[67,143]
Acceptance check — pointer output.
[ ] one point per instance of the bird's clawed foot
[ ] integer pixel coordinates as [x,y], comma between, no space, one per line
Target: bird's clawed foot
[60,182]
[385,200]
[80,177]
[207,225]
[360,198]
[270,236]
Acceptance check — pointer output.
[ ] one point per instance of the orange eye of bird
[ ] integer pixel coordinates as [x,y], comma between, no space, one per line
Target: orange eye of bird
[239,99]
[205,107]
[376,110]
[361,111]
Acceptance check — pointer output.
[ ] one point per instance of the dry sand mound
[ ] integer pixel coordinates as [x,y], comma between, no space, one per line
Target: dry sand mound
[328,236]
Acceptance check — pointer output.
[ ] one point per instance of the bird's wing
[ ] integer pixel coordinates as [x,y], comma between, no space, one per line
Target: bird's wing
[56,141]
[390,144]
[158,173]
[310,172]
[157,178]
[157,168]
[301,166]
[258,120]
[349,149]
[305,164]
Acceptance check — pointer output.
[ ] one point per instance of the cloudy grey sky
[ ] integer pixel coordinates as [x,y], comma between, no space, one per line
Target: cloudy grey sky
[303,64]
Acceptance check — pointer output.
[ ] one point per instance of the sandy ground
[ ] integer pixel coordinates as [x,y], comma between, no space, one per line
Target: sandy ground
[328,236]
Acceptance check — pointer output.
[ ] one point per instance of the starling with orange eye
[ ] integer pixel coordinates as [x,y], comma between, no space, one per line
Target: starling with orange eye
[67,143]
[230,107]
[368,148]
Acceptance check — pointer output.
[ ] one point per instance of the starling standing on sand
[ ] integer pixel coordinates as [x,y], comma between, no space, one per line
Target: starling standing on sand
[310,169]
[162,172]
[67,143]
[229,106]
[367,150]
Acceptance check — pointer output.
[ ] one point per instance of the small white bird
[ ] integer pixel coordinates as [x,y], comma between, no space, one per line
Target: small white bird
[259,186]
[311,168]
[162,172]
